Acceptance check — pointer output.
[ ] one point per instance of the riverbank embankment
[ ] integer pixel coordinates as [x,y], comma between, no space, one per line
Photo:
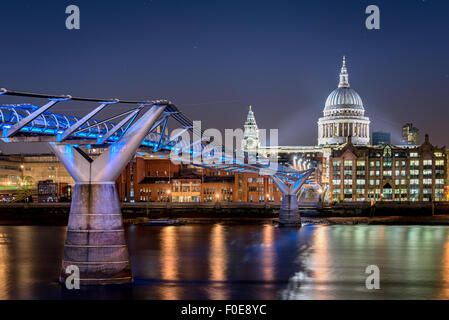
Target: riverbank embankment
[337,213]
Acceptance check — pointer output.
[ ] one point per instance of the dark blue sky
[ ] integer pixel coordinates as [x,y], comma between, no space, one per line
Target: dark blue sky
[214,58]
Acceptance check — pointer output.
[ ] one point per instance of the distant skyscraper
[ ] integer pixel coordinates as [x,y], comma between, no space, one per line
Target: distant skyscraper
[250,140]
[410,135]
[381,138]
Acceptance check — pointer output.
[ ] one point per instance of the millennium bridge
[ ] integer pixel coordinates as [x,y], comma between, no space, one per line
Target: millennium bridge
[95,240]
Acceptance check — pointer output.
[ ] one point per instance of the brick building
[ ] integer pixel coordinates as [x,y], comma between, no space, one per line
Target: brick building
[156,179]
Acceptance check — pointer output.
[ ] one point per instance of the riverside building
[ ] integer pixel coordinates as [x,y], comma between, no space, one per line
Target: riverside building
[386,172]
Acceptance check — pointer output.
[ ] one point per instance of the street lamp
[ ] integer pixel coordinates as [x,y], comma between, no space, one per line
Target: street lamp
[168,192]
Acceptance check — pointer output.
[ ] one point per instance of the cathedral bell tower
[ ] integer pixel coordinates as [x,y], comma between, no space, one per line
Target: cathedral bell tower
[250,142]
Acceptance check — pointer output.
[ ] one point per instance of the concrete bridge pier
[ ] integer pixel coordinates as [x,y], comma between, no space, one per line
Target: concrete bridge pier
[95,240]
[289,213]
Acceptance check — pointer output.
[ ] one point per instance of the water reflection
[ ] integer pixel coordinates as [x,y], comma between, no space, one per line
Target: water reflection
[444,293]
[169,262]
[220,261]
[268,254]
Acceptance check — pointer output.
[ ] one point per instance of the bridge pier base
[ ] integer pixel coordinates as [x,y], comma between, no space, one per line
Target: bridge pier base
[95,241]
[289,214]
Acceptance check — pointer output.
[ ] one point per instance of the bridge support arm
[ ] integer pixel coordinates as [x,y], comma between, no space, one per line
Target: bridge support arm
[289,212]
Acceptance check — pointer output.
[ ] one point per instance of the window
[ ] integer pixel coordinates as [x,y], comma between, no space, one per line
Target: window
[361,182]
[348,182]
[428,162]
[414,163]
[439,162]
[348,163]
[427,172]
[414,181]
[414,172]
[439,181]
[413,154]
[360,163]
[427,181]
[438,154]
[336,182]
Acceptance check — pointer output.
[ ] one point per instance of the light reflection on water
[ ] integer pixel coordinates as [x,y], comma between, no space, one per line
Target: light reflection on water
[246,261]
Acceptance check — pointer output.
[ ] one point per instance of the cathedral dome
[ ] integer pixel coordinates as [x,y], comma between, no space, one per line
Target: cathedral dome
[343,97]
[344,115]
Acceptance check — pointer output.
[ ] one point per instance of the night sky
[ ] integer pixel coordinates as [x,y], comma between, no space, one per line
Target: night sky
[214,58]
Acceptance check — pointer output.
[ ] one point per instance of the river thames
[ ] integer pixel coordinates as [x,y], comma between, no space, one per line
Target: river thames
[242,261]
